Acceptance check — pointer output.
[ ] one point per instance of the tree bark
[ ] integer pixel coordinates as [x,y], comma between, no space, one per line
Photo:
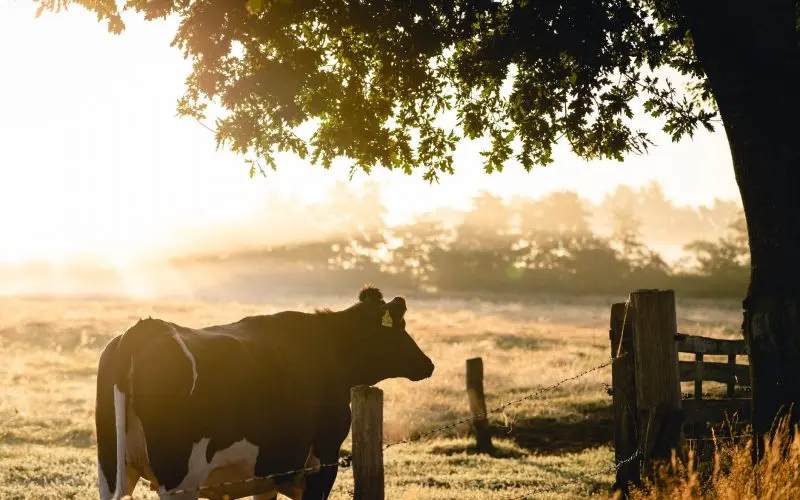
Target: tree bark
[750,51]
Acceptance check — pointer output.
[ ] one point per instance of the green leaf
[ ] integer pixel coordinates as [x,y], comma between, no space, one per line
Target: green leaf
[255,6]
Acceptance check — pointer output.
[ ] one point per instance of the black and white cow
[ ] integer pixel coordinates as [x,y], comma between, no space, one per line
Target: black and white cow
[184,407]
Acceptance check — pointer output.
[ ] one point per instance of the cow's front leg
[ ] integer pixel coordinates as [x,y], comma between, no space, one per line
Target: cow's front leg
[330,436]
[320,484]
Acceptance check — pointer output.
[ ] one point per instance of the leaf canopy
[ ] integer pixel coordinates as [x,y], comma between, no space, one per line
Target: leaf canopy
[376,78]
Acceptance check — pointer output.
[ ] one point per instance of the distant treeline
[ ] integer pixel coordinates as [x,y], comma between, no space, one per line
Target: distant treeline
[556,244]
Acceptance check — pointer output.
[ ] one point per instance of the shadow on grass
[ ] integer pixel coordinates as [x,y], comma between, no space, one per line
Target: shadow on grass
[506,341]
[562,479]
[501,450]
[555,437]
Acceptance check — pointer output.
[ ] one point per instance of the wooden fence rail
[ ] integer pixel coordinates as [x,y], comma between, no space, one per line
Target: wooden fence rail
[699,370]
[726,373]
[707,345]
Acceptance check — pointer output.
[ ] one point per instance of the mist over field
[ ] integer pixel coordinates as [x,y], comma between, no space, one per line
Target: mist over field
[559,243]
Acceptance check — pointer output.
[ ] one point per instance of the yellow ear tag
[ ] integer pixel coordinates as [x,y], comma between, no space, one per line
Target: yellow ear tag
[387,319]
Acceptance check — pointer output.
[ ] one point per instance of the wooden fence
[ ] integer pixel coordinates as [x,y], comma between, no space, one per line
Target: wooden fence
[651,416]
[367,431]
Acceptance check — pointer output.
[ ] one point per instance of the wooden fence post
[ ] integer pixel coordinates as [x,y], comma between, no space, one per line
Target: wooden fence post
[698,375]
[367,427]
[477,405]
[623,385]
[658,389]
[731,388]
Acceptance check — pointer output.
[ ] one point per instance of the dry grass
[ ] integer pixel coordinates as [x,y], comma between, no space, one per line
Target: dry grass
[546,447]
[732,476]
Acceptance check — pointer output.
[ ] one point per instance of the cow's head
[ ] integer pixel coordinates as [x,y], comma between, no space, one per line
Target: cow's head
[383,347]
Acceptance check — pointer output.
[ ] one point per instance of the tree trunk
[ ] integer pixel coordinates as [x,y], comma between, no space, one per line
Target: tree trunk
[751,54]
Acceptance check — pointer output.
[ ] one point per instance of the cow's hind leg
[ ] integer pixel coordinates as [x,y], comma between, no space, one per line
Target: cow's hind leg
[131,478]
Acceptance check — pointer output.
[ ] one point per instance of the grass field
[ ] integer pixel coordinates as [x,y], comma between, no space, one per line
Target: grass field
[557,446]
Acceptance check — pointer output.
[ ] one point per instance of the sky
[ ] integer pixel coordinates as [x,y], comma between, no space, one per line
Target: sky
[94,160]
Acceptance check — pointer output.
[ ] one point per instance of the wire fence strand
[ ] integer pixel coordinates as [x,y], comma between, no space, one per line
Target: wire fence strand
[346,461]
[583,477]
[502,407]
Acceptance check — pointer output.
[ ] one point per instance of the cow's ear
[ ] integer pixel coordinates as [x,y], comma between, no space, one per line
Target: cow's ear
[397,307]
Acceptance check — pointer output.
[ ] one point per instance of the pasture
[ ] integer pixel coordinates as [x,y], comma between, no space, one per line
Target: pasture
[556,446]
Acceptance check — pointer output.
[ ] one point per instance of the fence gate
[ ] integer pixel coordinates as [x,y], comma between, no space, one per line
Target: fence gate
[651,416]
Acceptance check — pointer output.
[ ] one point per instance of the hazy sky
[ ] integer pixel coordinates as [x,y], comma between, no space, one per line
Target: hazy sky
[93,158]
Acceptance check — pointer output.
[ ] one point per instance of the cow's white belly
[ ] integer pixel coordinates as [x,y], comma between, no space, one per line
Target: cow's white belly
[230,471]
[235,463]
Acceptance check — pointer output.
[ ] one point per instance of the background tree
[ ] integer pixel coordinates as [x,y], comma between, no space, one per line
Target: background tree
[376,77]
[420,251]
[643,262]
[725,258]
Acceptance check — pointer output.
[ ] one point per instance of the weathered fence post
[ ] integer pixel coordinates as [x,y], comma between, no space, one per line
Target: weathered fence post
[658,389]
[477,405]
[367,428]
[623,386]
[731,388]
[698,375]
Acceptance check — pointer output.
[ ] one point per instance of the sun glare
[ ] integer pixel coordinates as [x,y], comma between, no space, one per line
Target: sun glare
[95,162]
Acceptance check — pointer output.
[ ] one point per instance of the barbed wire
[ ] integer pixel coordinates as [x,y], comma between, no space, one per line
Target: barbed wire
[346,462]
[614,468]
[719,438]
[500,408]
[552,487]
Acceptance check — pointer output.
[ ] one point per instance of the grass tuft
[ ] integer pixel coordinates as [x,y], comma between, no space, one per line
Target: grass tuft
[732,475]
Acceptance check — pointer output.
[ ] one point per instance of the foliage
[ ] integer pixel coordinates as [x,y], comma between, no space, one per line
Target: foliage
[726,256]
[525,246]
[399,84]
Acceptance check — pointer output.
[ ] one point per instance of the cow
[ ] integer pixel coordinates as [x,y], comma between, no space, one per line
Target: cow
[189,409]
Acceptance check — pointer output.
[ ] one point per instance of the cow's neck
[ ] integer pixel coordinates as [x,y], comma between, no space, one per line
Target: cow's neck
[344,359]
